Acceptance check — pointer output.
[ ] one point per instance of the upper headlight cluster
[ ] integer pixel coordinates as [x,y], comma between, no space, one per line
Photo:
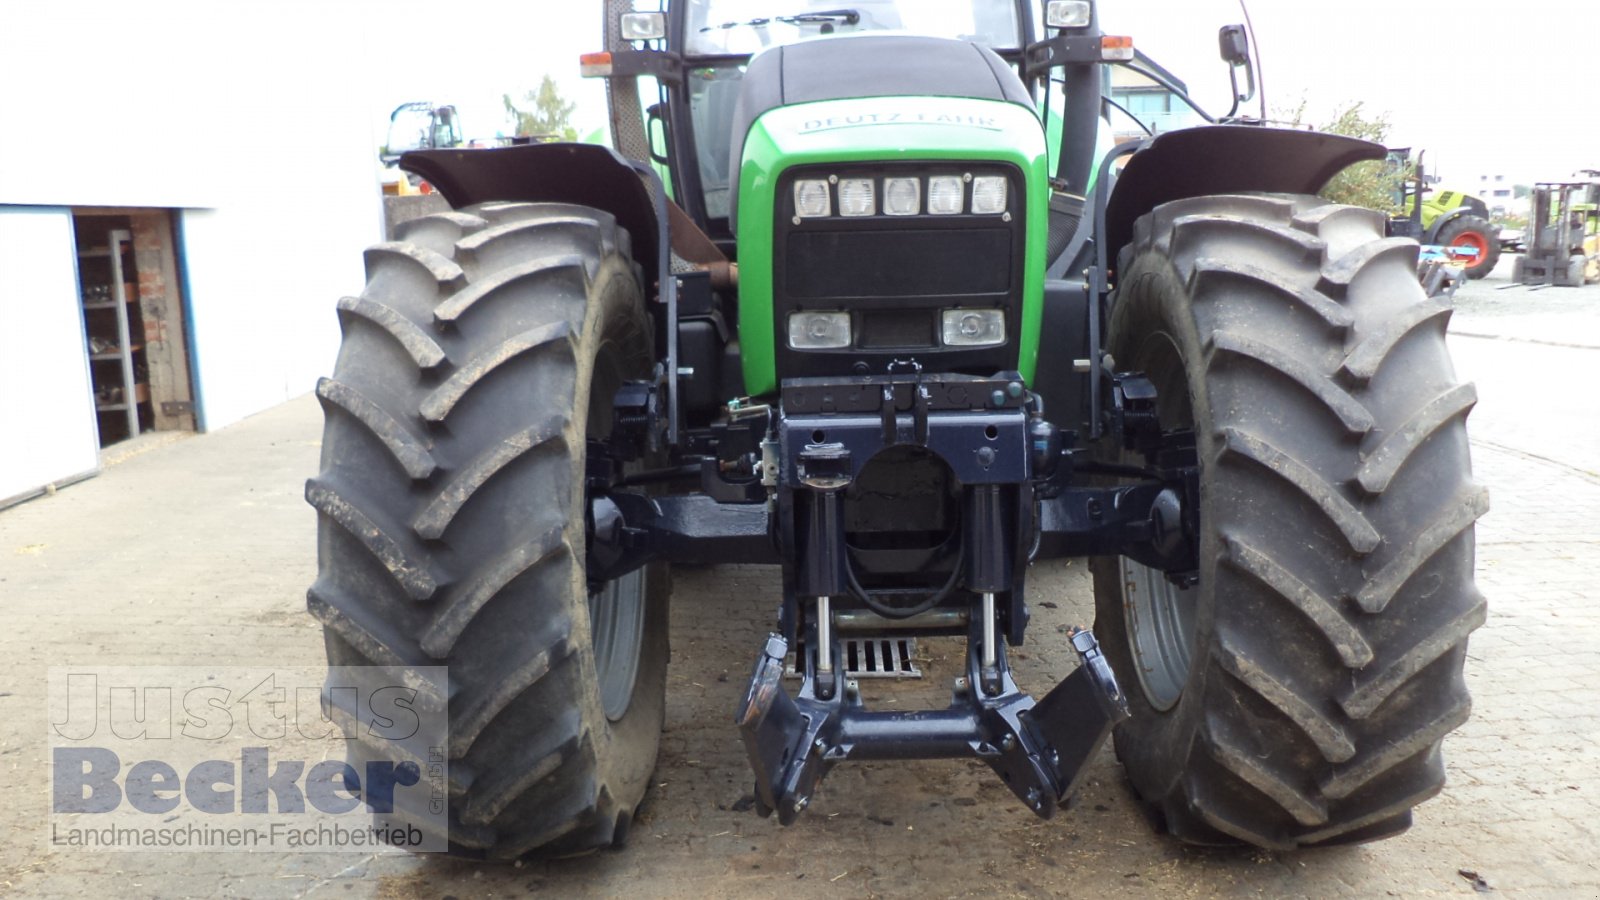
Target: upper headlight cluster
[947,195]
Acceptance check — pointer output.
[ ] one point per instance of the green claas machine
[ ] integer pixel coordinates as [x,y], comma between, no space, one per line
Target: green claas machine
[1446,217]
[902,326]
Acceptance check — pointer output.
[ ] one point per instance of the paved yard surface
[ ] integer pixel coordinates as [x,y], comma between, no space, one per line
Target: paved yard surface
[199,551]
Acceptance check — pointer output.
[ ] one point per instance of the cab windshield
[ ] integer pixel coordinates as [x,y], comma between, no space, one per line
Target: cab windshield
[410,129]
[742,27]
[721,29]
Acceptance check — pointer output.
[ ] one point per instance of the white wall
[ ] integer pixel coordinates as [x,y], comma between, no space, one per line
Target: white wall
[47,419]
[250,116]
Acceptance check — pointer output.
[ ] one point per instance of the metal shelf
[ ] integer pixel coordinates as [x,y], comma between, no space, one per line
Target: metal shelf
[115,354]
[132,396]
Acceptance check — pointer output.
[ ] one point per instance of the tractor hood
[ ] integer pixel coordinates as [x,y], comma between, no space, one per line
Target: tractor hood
[876,107]
[878,137]
[872,67]
[887,129]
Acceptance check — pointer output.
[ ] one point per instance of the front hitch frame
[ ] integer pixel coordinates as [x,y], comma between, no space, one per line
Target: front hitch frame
[1039,748]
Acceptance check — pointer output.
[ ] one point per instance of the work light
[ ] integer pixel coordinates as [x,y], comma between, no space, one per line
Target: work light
[647,26]
[1067,14]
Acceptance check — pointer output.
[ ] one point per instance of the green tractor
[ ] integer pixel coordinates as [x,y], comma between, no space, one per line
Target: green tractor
[902,328]
[1445,217]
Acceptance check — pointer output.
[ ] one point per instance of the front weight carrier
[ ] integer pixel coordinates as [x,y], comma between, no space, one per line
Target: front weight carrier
[1040,749]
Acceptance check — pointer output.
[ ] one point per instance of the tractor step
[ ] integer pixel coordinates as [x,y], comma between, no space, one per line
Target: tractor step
[869,656]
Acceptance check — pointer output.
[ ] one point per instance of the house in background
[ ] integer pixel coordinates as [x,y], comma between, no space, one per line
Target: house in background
[1504,194]
[185,190]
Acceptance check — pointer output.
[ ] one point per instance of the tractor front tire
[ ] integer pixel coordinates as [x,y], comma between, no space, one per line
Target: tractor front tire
[483,353]
[1472,231]
[1298,693]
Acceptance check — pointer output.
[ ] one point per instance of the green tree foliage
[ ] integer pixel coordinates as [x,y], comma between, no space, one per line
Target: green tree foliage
[1375,185]
[542,114]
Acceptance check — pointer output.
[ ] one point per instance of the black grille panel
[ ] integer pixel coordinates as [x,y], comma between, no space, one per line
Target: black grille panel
[895,273]
[897,329]
[947,262]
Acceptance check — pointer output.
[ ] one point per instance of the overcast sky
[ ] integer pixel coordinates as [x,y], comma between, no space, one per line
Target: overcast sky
[1486,86]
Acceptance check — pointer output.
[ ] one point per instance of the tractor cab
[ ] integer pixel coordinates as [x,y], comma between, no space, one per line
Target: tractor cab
[420,125]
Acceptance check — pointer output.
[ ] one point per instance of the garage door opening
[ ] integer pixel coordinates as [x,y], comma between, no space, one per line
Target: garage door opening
[134,326]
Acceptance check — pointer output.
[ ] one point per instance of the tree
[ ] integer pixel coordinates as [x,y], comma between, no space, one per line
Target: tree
[1375,184]
[542,114]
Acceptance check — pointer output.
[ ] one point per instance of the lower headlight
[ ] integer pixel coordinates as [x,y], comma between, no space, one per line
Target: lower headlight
[819,330]
[974,327]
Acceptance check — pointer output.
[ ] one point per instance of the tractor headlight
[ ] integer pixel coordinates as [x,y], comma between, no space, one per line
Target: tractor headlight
[856,197]
[902,196]
[811,200]
[819,330]
[989,194]
[946,195]
[974,327]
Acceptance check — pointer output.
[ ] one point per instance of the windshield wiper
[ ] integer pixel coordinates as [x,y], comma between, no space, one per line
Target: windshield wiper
[847,16]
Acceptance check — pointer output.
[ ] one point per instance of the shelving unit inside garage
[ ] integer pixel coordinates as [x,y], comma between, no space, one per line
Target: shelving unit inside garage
[114,328]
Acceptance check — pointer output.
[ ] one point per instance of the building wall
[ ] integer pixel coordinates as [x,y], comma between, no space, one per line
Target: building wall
[249,117]
[47,420]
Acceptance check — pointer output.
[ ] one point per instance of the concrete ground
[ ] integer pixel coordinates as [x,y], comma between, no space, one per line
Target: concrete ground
[198,551]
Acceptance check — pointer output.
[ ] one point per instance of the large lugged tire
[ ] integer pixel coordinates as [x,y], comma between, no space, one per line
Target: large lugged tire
[486,347]
[1299,693]
[1475,232]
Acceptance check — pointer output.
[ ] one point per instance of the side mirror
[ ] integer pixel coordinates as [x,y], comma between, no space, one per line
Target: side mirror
[1234,43]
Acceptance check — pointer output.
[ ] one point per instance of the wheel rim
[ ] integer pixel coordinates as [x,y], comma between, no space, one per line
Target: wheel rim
[617,607]
[1160,631]
[616,621]
[1473,241]
[1160,616]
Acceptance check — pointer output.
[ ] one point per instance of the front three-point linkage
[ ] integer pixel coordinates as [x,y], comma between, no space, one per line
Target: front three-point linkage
[982,431]
[1038,748]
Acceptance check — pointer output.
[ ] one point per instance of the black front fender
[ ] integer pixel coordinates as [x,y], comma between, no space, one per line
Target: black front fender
[583,174]
[1225,159]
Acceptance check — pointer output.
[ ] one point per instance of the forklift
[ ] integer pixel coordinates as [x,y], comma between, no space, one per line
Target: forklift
[1563,246]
